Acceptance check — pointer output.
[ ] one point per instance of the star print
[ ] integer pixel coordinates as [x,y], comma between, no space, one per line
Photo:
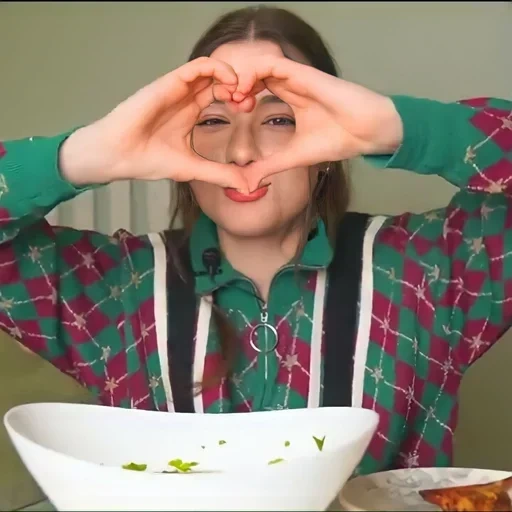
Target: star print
[385,325]
[410,396]
[377,374]
[115,292]
[135,279]
[470,155]
[145,332]
[299,310]
[432,216]
[79,321]
[411,459]
[420,292]
[110,385]
[392,274]
[485,211]
[88,260]
[507,123]
[495,187]
[476,342]
[6,303]
[476,244]
[154,382]
[34,254]
[4,189]
[447,366]
[236,380]
[290,361]
[106,353]
[435,273]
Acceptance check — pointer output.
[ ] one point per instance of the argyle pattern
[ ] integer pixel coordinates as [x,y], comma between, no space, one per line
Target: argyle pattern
[442,296]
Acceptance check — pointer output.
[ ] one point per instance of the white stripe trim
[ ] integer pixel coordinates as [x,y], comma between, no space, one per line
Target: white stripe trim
[202,331]
[160,312]
[315,363]
[365,312]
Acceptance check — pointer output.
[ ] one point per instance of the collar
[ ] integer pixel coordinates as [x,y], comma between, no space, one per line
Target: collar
[212,270]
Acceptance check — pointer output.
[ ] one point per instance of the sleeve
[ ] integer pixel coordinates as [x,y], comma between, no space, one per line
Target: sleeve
[61,289]
[456,262]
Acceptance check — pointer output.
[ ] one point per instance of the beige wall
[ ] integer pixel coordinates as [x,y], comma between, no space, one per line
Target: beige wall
[63,64]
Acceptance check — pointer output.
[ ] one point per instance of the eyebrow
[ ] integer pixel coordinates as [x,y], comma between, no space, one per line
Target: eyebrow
[271,98]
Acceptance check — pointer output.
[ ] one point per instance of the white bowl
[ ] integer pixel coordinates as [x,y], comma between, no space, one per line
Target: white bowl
[75,452]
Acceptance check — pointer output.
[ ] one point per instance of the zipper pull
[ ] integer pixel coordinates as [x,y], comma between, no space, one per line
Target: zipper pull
[264,314]
[264,326]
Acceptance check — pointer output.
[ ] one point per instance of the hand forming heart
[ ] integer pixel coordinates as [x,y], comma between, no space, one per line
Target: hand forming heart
[148,135]
[335,120]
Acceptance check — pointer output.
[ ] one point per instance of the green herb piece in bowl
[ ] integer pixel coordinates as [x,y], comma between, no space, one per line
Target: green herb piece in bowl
[275,461]
[182,467]
[135,467]
[286,444]
[319,443]
[221,442]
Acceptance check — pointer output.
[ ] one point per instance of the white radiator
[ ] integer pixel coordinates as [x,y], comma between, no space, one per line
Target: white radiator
[139,207]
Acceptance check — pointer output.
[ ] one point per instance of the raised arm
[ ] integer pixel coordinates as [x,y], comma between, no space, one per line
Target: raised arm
[77,297]
[465,250]
[62,291]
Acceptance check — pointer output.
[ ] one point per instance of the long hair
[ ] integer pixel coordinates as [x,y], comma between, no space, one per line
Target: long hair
[329,195]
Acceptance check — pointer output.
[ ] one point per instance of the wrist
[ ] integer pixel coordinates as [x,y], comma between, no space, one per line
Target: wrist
[390,134]
[80,160]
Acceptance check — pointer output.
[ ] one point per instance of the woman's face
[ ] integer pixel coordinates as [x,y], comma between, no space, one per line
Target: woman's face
[228,136]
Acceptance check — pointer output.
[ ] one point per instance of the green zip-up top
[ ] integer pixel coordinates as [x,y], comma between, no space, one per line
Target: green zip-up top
[436,292]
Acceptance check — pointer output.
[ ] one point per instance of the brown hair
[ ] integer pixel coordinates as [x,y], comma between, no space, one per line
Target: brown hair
[330,195]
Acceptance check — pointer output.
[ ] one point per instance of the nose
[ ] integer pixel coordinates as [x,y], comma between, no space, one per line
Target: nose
[242,148]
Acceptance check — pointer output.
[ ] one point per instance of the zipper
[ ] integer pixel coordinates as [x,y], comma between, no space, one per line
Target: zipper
[263,307]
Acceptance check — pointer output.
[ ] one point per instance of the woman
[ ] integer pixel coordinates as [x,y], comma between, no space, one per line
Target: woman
[293,303]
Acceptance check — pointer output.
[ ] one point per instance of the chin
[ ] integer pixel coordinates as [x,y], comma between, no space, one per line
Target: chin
[254,226]
[254,230]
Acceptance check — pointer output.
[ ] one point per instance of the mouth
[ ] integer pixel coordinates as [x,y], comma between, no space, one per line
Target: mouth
[239,197]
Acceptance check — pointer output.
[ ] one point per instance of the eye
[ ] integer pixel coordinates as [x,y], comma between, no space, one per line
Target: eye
[213,121]
[280,121]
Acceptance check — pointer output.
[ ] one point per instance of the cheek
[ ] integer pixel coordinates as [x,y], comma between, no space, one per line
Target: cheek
[293,188]
[210,144]
[205,194]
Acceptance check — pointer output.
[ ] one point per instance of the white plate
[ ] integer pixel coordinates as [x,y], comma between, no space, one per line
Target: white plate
[398,490]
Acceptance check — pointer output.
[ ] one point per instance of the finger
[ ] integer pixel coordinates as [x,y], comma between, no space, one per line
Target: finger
[214,92]
[246,105]
[175,86]
[223,175]
[265,67]
[207,67]
[256,88]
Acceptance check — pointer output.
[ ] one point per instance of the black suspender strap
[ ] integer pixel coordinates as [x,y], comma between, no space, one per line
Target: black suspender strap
[341,310]
[181,321]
